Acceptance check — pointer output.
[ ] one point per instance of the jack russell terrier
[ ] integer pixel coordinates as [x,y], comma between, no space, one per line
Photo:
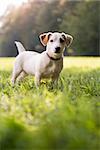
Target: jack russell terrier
[48,64]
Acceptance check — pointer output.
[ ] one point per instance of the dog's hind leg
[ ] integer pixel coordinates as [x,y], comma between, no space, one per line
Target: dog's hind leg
[21,76]
[15,74]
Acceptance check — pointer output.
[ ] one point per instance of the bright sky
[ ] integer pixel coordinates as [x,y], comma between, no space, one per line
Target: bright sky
[6,3]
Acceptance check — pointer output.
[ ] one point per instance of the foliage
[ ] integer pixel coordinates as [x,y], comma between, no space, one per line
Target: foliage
[62,117]
[84,26]
[79,18]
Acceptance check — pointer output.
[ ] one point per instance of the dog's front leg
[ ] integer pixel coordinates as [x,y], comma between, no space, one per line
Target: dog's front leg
[55,80]
[37,80]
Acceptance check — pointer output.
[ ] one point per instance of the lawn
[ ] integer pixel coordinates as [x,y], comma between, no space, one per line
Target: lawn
[65,117]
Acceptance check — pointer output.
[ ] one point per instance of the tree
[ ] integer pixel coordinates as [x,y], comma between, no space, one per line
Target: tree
[20,25]
[79,18]
[83,24]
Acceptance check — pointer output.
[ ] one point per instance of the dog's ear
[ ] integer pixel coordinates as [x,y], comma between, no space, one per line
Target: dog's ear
[44,38]
[68,38]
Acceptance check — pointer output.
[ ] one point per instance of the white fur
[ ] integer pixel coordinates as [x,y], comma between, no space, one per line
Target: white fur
[40,65]
[20,47]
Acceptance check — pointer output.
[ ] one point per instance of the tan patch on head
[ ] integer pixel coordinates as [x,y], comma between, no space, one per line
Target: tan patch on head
[44,38]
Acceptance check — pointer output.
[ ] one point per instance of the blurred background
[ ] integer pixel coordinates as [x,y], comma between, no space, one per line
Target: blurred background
[25,20]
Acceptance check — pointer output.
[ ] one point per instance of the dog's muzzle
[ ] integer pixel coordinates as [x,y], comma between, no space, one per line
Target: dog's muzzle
[57,50]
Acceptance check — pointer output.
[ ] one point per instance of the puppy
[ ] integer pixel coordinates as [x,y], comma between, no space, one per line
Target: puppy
[48,64]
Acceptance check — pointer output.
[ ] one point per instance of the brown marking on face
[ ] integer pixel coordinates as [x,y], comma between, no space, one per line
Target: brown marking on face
[45,38]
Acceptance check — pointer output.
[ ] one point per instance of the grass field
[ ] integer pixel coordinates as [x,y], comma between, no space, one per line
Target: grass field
[66,117]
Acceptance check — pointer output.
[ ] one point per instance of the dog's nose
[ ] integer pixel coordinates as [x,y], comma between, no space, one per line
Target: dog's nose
[57,50]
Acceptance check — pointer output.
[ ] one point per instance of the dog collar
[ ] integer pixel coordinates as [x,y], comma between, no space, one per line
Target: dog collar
[53,58]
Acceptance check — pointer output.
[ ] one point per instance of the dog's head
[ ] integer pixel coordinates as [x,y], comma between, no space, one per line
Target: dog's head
[55,43]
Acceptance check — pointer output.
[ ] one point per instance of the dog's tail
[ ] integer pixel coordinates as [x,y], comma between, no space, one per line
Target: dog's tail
[20,47]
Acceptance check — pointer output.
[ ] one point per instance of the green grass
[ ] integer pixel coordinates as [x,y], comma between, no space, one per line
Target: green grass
[52,118]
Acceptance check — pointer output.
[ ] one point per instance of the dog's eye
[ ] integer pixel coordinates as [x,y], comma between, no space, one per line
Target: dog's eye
[61,40]
[51,40]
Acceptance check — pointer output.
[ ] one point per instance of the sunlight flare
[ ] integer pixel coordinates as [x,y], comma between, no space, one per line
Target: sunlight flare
[7,3]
